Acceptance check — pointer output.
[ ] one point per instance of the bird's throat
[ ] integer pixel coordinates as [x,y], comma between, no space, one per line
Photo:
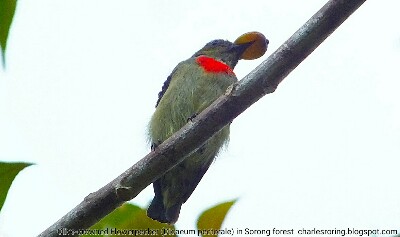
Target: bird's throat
[213,66]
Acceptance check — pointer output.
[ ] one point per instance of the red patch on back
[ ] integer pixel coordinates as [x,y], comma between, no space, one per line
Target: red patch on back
[212,65]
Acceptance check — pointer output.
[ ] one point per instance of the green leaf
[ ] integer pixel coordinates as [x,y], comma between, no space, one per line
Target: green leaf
[8,171]
[7,10]
[127,219]
[213,217]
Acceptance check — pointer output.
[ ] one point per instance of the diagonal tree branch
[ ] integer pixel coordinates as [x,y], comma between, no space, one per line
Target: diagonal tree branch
[262,80]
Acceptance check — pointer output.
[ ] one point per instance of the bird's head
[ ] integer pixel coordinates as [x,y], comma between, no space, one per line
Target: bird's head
[224,51]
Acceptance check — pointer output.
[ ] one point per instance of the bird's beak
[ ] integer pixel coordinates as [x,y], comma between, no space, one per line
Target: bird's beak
[240,48]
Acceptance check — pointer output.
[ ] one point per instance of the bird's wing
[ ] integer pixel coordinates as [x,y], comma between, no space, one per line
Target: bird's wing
[166,83]
[164,88]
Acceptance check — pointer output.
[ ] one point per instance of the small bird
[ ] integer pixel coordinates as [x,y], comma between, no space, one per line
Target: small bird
[192,86]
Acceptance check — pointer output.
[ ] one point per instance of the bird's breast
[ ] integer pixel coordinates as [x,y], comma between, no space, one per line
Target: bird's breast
[212,65]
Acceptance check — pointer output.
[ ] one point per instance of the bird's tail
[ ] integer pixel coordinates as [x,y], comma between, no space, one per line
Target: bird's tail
[157,211]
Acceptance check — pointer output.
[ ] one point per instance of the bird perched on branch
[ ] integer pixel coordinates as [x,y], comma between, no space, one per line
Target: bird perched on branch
[192,86]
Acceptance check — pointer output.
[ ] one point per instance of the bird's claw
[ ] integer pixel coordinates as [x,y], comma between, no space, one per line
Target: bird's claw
[190,119]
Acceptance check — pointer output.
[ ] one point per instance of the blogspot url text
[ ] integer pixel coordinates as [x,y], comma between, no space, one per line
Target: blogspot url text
[228,232]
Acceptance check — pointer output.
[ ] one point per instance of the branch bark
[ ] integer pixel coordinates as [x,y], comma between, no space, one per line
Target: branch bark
[262,80]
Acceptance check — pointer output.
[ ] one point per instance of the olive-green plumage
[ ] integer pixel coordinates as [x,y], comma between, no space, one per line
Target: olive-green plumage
[191,87]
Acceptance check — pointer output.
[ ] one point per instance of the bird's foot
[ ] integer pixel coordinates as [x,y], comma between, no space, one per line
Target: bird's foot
[190,119]
[154,145]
